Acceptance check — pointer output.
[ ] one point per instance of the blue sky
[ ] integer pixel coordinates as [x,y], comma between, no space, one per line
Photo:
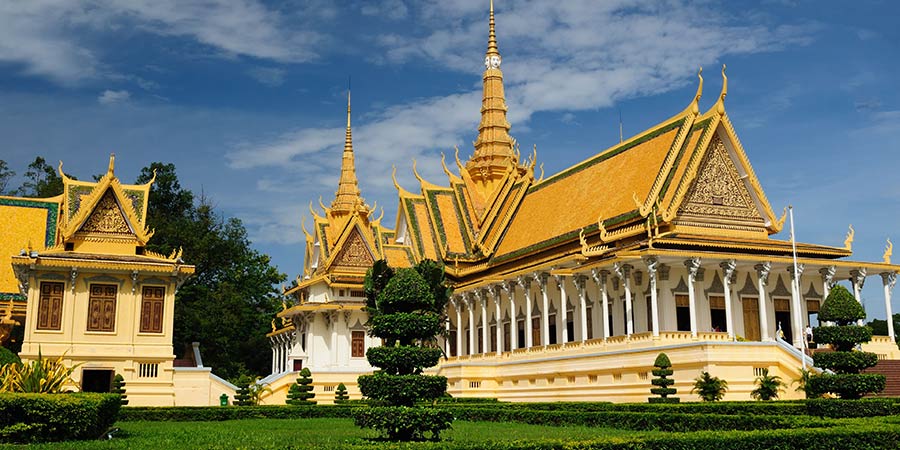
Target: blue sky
[247,97]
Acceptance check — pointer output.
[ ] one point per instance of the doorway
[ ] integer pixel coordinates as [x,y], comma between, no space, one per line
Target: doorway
[751,318]
[96,380]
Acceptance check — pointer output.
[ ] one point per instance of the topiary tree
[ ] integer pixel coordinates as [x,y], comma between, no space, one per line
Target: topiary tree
[662,383]
[406,309]
[841,308]
[119,388]
[8,357]
[709,388]
[340,394]
[767,386]
[242,396]
[301,392]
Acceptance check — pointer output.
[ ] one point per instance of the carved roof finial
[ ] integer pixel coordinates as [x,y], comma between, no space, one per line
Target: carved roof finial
[888,251]
[112,164]
[848,242]
[347,199]
[695,105]
[720,104]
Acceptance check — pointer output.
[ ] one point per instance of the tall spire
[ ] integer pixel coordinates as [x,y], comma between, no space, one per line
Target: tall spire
[347,199]
[494,152]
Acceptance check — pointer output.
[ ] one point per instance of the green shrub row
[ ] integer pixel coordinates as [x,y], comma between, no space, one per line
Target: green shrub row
[846,385]
[870,437]
[844,337]
[56,417]
[840,409]
[405,327]
[216,413]
[640,421]
[789,408]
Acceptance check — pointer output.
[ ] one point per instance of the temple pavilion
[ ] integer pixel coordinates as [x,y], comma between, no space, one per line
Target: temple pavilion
[566,287]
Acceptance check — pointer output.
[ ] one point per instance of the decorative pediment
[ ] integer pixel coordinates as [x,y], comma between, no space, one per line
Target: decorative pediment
[719,190]
[355,252]
[107,217]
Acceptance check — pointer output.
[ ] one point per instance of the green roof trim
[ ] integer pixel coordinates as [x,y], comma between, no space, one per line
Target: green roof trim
[52,215]
[6,296]
[323,243]
[699,125]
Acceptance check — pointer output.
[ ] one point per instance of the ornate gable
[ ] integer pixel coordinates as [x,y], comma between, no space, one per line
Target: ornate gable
[107,217]
[719,192]
[355,252]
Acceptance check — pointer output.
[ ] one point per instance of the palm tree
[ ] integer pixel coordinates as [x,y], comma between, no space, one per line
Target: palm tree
[709,388]
[768,386]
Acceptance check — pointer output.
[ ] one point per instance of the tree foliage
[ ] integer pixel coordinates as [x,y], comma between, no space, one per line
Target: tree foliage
[767,386]
[301,392]
[405,306]
[662,384]
[41,180]
[709,388]
[5,176]
[118,387]
[842,308]
[340,394]
[228,303]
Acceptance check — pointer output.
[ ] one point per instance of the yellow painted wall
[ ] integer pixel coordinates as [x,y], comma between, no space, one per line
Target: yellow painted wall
[19,226]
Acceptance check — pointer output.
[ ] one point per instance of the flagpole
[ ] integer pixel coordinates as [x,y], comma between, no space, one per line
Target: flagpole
[796,282]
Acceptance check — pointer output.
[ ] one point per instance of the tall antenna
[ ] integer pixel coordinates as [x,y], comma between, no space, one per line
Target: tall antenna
[621,136]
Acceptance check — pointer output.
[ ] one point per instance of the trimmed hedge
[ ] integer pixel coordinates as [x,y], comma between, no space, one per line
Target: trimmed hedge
[217,413]
[404,359]
[405,327]
[402,423]
[56,417]
[847,385]
[402,390]
[841,409]
[641,421]
[845,362]
[782,407]
[844,338]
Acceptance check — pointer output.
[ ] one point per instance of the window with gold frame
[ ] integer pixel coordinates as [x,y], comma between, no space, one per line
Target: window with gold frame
[102,307]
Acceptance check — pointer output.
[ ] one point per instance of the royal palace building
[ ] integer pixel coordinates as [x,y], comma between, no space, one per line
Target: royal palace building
[566,287]
[76,274]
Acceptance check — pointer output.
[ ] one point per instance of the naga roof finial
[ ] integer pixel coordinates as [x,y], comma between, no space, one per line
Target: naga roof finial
[720,104]
[695,104]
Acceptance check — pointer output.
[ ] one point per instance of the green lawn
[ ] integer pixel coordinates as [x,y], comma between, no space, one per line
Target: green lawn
[314,434]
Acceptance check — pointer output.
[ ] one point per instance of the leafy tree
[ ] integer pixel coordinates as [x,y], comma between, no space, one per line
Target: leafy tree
[301,392]
[405,307]
[842,308]
[8,357]
[228,303]
[803,383]
[340,394]
[879,327]
[767,386]
[242,396]
[41,180]
[709,388]
[662,383]
[5,176]
[119,388]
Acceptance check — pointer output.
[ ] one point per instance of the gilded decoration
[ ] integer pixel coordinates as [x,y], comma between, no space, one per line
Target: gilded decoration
[107,217]
[355,253]
[719,190]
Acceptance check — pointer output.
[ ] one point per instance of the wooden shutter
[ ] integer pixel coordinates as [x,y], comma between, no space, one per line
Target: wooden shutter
[50,306]
[153,300]
[102,307]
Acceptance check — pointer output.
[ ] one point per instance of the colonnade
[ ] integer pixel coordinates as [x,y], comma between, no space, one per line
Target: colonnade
[533,309]
[281,347]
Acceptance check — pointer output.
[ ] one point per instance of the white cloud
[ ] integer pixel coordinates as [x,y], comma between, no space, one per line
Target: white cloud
[109,97]
[52,38]
[391,9]
[269,76]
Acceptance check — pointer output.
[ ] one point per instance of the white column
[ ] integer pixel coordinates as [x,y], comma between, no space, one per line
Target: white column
[827,280]
[470,305]
[600,277]
[796,316]
[542,278]
[693,265]
[762,273]
[510,289]
[457,304]
[858,279]
[495,294]
[652,265]
[274,355]
[332,317]
[727,273]
[447,337]
[582,304]
[563,309]
[889,279]
[624,273]
[485,328]
[526,287]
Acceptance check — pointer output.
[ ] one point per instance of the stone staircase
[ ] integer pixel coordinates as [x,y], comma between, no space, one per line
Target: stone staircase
[890,368]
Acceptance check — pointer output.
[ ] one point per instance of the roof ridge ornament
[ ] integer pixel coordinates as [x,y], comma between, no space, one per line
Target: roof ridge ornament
[720,104]
[695,105]
[848,241]
[888,251]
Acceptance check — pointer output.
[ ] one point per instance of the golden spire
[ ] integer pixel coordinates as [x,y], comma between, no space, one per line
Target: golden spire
[347,198]
[494,147]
